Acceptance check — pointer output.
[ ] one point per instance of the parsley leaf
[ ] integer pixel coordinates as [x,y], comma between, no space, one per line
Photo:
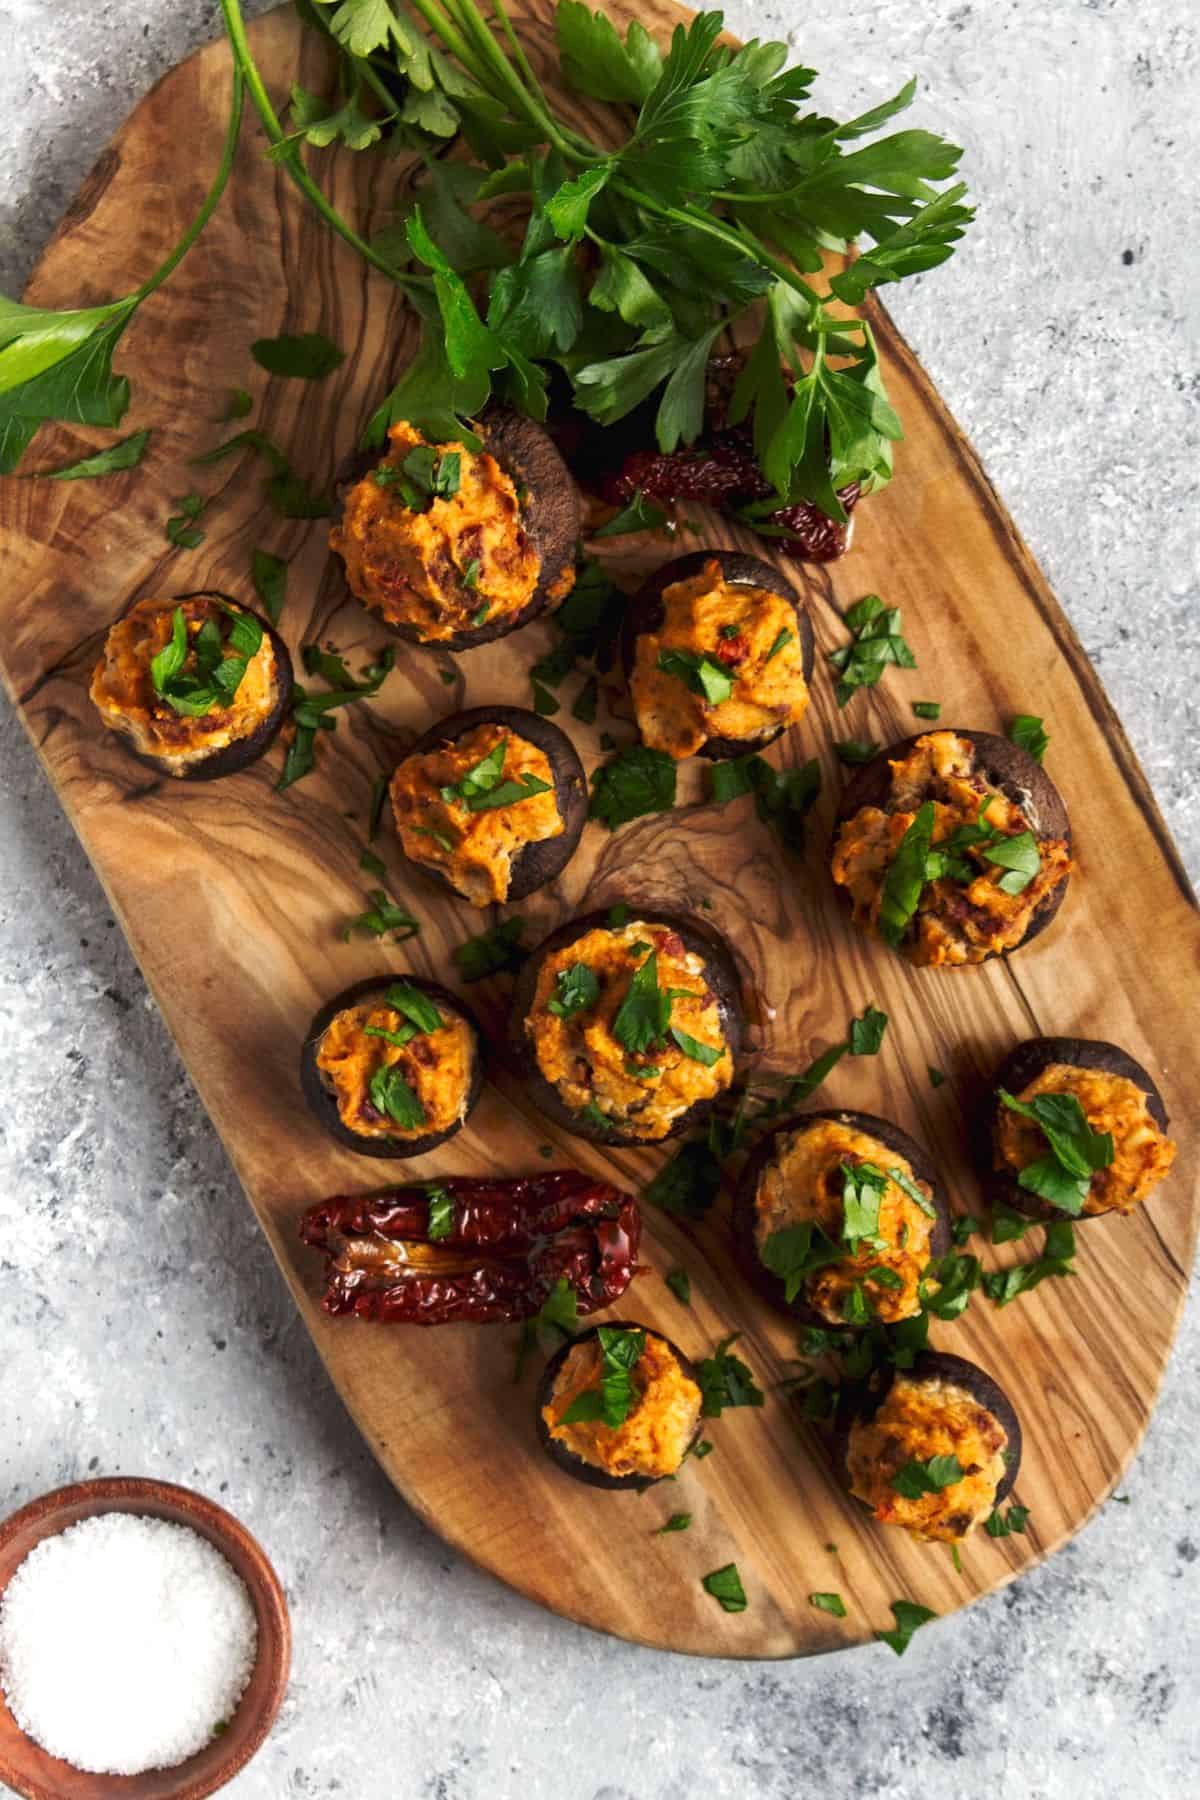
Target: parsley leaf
[640,515]
[997,1526]
[384,915]
[1005,1285]
[856,750]
[677,1522]
[725,1381]
[797,1251]
[783,798]
[311,355]
[645,1012]
[126,454]
[441,1214]
[679,1282]
[558,1317]
[1065,1176]
[614,1400]
[927,709]
[829,1603]
[269,575]
[700,674]
[1027,732]
[909,1617]
[635,782]
[931,1477]
[575,990]
[688,1183]
[392,1096]
[492,952]
[876,641]
[866,1032]
[725,1585]
[904,881]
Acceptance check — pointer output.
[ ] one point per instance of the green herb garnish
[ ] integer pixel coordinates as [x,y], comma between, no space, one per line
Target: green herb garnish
[931,1477]
[640,515]
[725,1585]
[635,782]
[384,915]
[687,1185]
[126,454]
[876,641]
[927,709]
[679,1282]
[998,1527]
[1064,1177]
[441,1214]
[783,798]
[856,750]
[1026,731]
[711,680]
[1005,1285]
[909,1617]
[866,1032]
[392,1096]
[269,575]
[676,1522]
[575,990]
[725,1381]
[491,952]
[829,1603]
[310,356]
[613,1401]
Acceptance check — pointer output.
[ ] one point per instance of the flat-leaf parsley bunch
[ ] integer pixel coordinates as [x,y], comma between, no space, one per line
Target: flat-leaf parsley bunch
[721,190]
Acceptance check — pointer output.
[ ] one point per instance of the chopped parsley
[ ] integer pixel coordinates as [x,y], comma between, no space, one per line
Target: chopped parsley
[575,990]
[998,1527]
[194,674]
[783,798]
[927,709]
[640,515]
[936,1077]
[725,1381]
[909,1617]
[1027,733]
[441,1214]
[876,641]
[725,1586]
[424,475]
[613,1401]
[785,637]
[701,674]
[856,750]
[1064,1177]
[687,1184]
[795,1252]
[633,783]
[384,915]
[557,1317]
[680,1284]
[930,1477]
[491,952]
[1005,1285]
[904,881]
[829,1603]
[866,1032]
[676,1522]
[392,1096]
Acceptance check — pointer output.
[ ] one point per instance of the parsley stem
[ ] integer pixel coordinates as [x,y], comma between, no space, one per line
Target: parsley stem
[443,25]
[526,105]
[736,238]
[290,155]
[211,199]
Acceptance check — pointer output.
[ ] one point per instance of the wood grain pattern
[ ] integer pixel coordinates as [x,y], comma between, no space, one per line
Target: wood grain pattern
[232,897]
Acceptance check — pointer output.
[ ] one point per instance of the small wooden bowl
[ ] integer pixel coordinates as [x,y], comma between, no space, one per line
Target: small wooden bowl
[29,1769]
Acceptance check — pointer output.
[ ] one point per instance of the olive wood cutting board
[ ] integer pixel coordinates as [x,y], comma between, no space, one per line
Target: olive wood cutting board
[233,897]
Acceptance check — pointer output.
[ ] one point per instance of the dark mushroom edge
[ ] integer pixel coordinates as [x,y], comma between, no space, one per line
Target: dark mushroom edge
[859,1402]
[723,980]
[1023,1065]
[551,512]
[646,610]
[744,1214]
[235,757]
[566,1459]
[534,865]
[323,1102]
[1005,766]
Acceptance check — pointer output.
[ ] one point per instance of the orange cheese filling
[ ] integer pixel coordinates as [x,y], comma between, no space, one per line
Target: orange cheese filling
[463,561]
[123,691]
[656,1435]
[916,1421]
[955,923]
[804,1181]
[586,1062]
[473,850]
[437,1065]
[1142,1153]
[750,633]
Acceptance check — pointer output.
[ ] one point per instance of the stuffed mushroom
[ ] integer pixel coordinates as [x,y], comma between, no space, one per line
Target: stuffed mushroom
[718,652]
[933,1449]
[1073,1128]
[953,847]
[619,1407]
[628,1025]
[196,686]
[491,803]
[393,1066]
[838,1216]
[453,545]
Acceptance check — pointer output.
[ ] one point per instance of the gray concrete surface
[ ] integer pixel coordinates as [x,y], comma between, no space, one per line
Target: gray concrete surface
[142,1322]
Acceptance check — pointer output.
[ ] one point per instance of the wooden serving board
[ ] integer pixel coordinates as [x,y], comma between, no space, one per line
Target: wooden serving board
[233,897]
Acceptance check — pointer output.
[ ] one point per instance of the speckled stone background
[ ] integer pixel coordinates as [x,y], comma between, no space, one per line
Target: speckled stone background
[143,1326]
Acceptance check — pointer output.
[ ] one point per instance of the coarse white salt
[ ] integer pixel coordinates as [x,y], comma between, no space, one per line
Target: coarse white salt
[125,1643]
